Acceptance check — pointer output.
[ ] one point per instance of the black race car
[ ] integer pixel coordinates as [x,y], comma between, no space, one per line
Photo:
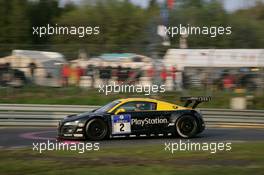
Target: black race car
[135,116]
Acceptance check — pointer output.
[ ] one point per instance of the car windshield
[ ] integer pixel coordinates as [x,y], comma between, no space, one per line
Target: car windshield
[108,106]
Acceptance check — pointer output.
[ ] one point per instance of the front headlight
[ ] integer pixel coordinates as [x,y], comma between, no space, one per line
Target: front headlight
[71,123]
[75,123]
[81,124]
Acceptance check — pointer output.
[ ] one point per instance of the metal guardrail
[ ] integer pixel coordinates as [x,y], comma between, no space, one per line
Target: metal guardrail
[49,115]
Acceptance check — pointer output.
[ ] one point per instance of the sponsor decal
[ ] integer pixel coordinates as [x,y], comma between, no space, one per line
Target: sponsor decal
[149,121]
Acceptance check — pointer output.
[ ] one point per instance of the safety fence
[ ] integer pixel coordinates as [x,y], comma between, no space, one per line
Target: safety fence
[49,115]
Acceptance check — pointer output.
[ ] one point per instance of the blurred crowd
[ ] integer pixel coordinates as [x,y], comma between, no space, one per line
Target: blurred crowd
[224,79]
[177,80]
[73,75]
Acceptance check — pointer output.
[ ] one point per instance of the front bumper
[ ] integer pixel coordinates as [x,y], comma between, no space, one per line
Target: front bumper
[70,132]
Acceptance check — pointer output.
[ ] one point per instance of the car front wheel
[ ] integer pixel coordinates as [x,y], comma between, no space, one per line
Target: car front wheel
[186,126]
[96,129]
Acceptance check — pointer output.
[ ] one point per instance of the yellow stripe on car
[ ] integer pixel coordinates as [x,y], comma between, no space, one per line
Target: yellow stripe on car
[161,105]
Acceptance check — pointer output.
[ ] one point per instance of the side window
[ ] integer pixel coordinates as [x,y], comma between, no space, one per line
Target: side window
[130,106]
[138,106]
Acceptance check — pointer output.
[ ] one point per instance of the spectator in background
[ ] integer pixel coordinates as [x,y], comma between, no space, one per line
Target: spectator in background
[65,73]
[7,74]
[2,71]
[32,67]
[119,74]
[108,73]
[173,76]
[79,73]
[134,76]
[123,74]
[228,82]
[105,74]
[163,75]
[205,80]
[90,71]
[150,72]
[139,74]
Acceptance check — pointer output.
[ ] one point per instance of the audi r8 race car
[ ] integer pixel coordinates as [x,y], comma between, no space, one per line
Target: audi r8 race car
[135,117]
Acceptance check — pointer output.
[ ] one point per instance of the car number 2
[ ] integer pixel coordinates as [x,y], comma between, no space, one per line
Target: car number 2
[121,124]
[122,127]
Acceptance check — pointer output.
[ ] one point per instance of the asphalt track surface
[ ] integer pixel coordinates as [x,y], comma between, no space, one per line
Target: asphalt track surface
[21,137]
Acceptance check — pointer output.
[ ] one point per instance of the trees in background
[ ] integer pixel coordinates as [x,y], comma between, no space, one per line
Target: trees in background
[124,26]
[14,25]
[121,26]
[41,13]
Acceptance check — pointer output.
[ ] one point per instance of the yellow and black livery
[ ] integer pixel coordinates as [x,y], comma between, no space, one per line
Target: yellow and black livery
[135,117]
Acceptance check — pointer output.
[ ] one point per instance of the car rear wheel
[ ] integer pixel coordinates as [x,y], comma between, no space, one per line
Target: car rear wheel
[96,129]
[186,126]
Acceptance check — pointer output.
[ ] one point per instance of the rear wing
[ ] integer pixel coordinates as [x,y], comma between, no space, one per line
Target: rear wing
[194,100]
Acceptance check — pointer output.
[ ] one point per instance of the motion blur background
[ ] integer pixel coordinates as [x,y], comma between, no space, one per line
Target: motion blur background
[129,50]
[45,77]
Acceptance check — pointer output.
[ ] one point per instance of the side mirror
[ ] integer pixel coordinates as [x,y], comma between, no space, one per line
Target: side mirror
[120,111]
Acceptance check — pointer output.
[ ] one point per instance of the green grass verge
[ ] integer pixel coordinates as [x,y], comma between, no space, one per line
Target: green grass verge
[78,96]
[244,158]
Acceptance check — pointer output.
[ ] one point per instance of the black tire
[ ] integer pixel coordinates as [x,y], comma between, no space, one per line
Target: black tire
[186,126]
[96,129]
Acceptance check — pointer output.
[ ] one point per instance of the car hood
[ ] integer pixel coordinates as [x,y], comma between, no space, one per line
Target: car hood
[85,115]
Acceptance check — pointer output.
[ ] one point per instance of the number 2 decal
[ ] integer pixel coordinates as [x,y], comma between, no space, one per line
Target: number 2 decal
[121,124]
[122,127]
